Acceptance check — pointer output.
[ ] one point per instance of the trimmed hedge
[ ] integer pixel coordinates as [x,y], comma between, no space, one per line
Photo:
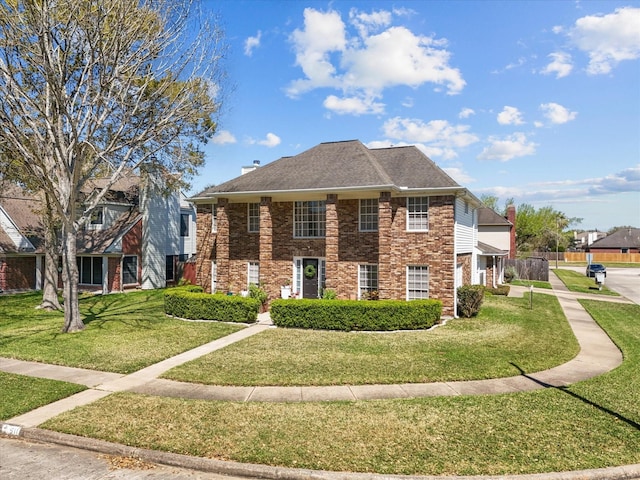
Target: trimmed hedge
[346,315]
[191,303]
[499,290]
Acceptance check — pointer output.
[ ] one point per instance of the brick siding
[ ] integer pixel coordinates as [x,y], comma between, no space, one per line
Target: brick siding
[344,248]
[18,273]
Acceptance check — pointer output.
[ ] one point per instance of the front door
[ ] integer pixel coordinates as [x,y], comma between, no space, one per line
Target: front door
[310,278]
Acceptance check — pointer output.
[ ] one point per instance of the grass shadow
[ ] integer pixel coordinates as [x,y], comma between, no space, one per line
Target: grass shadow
[566,390]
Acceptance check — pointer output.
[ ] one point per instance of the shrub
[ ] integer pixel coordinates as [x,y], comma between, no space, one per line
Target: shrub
[195,305]
[470,298]
[346,315]
[510,274]
[258,293]
[329,294]
[499,290]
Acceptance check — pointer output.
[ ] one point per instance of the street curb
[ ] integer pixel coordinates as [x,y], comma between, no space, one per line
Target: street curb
[626,472]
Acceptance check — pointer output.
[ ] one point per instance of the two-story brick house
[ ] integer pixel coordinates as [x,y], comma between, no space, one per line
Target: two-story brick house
[135,238]
[387,223]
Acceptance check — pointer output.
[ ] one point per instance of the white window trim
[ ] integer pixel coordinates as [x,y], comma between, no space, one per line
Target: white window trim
[214,217]
[295,222]
[360,287]
[249,218]
[407,281]
[251,265]
[214,276]
[137,279]
[409,229]
[360,215]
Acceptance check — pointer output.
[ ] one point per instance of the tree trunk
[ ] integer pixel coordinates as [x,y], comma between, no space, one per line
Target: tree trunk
[50,281]
[72,320]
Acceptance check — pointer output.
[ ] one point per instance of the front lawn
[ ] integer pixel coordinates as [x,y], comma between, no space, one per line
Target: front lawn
[124,332]
[21,394]
[592,424]
[506,332]
[580,283]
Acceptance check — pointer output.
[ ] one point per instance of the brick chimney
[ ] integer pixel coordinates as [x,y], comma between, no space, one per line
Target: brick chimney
[511,216]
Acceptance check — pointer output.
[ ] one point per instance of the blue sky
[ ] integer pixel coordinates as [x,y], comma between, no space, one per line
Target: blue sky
[538,101]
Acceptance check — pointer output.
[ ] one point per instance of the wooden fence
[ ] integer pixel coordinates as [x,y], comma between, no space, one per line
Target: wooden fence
[530,268]
[602,257]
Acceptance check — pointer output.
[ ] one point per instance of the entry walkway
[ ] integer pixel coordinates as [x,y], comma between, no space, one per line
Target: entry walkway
[598,355]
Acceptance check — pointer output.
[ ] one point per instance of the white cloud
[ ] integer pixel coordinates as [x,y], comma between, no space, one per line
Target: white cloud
[353,105]
[272,140]
[561,65]
[459,175]
[608,39]
[505,149]
[557,114]
[510,116]
[438,137]
[223,137]
[252,43]
[466,113]
[332,56]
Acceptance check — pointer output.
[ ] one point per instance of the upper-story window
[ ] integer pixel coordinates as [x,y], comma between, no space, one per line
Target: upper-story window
[214,218]
[253,217]
[369,215]
[309,219]
[184,224]
[97,216]
[418,213]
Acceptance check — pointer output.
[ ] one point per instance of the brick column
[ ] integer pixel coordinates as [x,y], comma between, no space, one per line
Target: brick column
[266,249]
[222,246]
[385,277]
[331,242]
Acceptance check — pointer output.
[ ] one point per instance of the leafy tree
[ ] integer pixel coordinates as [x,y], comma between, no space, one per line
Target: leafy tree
[104,87]
[543,229]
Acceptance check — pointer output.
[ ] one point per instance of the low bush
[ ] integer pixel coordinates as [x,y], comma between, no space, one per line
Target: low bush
[470,298]
[346,315]
[183,302]
[499,290]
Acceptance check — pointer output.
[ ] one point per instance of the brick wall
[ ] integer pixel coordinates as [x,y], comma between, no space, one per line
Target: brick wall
[18,273]
[344,248]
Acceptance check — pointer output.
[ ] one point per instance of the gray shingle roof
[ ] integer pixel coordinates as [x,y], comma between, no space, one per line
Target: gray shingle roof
[486,249]
[487,216]
[336,165]
[621,238]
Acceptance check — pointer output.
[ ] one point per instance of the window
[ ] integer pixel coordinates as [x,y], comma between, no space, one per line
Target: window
[214,277]
[369,215]
[214,218]
[184,224]
[170,268]
[417,282]
[309,219]
[129,269]
[253,222]
[90,270]
[418,213]
[97,216]
[368,282]
[253,274]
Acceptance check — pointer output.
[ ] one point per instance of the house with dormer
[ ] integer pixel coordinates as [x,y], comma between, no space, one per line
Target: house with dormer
[135,238]
[383,223]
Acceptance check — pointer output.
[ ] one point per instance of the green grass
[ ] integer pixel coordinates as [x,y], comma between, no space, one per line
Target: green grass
[505,332]
[592,424]
[21,394]
[580,283]
[124,332]
[528,283]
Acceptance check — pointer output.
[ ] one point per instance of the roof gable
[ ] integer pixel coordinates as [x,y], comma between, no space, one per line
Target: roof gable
[488,216]
[621,238]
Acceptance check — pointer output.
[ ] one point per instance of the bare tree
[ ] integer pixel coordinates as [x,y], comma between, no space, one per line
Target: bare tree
[104,87]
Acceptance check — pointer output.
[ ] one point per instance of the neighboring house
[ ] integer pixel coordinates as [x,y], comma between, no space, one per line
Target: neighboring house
[367,223]
[134,239]
[496,242]
[623,240]
[582,240]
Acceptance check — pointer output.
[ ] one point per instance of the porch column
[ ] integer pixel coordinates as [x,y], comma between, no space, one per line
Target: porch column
[385,275]
[266,249]
[222,246]
[331,243]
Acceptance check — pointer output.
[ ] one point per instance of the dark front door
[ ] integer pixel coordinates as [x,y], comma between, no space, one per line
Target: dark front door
[310,278]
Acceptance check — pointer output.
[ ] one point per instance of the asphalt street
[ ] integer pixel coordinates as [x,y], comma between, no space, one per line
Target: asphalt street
[25,460]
